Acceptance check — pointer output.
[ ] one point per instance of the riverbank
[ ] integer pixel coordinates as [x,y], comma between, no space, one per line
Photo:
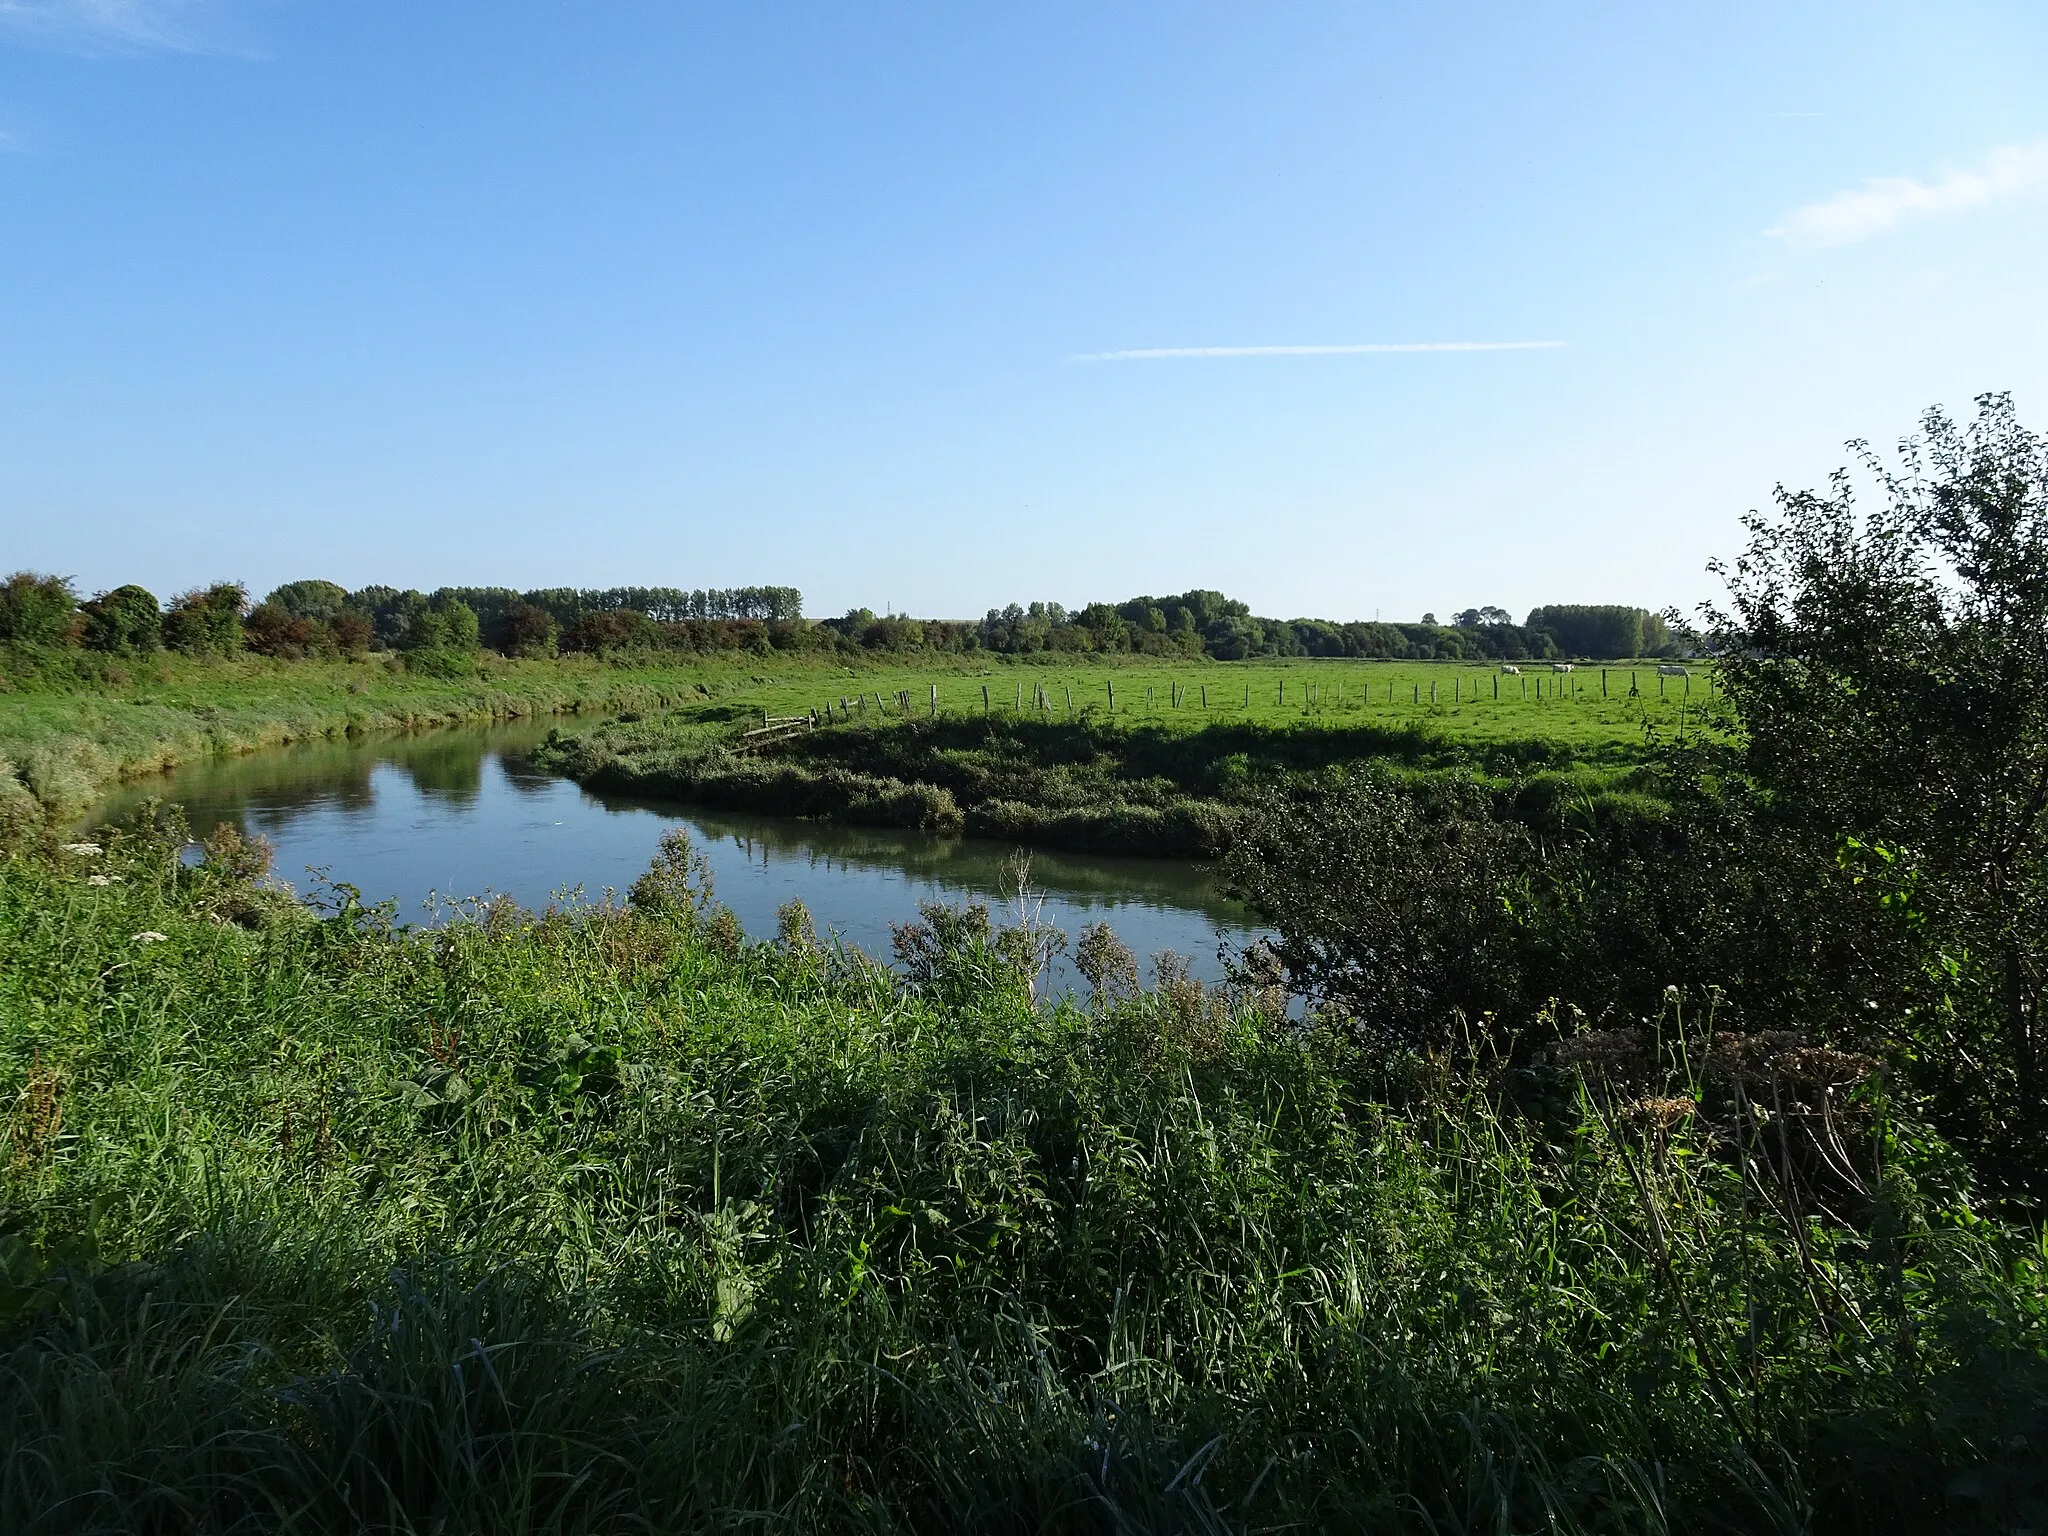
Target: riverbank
[69,733]
[1175,788]
[611,1220]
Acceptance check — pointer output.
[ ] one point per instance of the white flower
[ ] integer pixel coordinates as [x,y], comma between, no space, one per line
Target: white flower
[83,850]
[149,936]
[97,880]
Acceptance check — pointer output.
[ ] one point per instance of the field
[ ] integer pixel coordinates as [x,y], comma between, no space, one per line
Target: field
[64,743]
[1457,700]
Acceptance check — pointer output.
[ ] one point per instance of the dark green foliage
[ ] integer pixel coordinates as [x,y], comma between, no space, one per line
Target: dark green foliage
[524,630]
[1601,631]
[1074,784]
[1862,855]
[207,621]
[37,610]
[319,600]
[1208,623]
[270,630]
[413,621]
[126,620]
[1889,671]
[671,605]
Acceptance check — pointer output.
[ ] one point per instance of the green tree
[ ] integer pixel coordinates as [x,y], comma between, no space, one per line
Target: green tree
[36,610]
[207,621]
[320,600]
[1601,631]
[125,620]
[526,630]
[1888,671]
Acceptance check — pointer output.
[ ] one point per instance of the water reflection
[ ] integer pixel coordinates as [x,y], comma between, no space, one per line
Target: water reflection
[460,813]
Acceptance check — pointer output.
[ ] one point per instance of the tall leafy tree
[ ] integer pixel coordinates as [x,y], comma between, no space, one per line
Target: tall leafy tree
[127,619]
[1888,669]
[36,610]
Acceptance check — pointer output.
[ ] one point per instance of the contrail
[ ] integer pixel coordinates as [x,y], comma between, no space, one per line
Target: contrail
[1139,354]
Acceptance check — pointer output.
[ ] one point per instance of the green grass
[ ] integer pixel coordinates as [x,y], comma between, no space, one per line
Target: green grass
[1464,706]
[606,1220]
[65,738]
[1173,780]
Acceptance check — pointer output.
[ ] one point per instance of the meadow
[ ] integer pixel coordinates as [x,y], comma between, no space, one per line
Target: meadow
[65,738]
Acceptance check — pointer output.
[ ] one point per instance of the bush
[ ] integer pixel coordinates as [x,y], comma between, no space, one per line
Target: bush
[207,621]
[36,610]
[319,600]
[271,630]
[124,621]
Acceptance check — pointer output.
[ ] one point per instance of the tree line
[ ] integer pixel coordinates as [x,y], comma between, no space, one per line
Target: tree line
[1206,623]
[315,618]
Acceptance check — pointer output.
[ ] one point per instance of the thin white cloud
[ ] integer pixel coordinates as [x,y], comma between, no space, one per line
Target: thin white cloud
[1141,354]
[118,26]
[1884,203]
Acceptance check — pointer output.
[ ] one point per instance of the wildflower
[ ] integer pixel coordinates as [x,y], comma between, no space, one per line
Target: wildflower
[83,850]
[149,936]
[97,880]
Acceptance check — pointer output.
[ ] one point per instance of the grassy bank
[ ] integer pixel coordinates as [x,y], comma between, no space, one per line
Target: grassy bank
[66,734]
[1173,787]
[63,746]
[609,1221]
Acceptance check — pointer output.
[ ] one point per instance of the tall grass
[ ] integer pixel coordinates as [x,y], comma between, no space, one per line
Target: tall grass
[605,1220]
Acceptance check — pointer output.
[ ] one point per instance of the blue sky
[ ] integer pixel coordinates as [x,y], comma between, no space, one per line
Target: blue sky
[707,295]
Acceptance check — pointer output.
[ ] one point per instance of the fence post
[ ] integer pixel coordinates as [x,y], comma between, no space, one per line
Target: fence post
[1112,696]
[1070,698]
[1603,682]
[1660,685]
[1432,690]
[1417,699]
[984,698]
[1148,699]
[1496,687]
[1205,695]
[935,701]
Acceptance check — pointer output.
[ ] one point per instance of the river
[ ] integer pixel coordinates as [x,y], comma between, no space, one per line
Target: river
[427,817]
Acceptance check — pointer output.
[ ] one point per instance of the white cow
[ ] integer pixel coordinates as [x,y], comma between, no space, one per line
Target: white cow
[1673,672]
[1511,671]
[1560,666]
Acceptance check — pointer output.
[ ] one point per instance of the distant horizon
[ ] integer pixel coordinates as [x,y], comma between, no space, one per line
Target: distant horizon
[1444,614]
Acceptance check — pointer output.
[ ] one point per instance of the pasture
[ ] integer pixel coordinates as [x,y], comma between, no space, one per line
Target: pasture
[1615,706]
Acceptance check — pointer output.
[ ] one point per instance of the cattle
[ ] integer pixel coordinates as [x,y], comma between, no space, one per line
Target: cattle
[1511,671]
[1673,672]
[1560,666]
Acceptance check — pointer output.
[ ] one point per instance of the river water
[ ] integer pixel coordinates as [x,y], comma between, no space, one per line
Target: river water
[457,813]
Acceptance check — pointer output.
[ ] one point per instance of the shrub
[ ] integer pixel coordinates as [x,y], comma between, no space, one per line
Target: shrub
[270,630]
[207,621]
[36,610]
[123,621]
[525,630]
[321,600]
